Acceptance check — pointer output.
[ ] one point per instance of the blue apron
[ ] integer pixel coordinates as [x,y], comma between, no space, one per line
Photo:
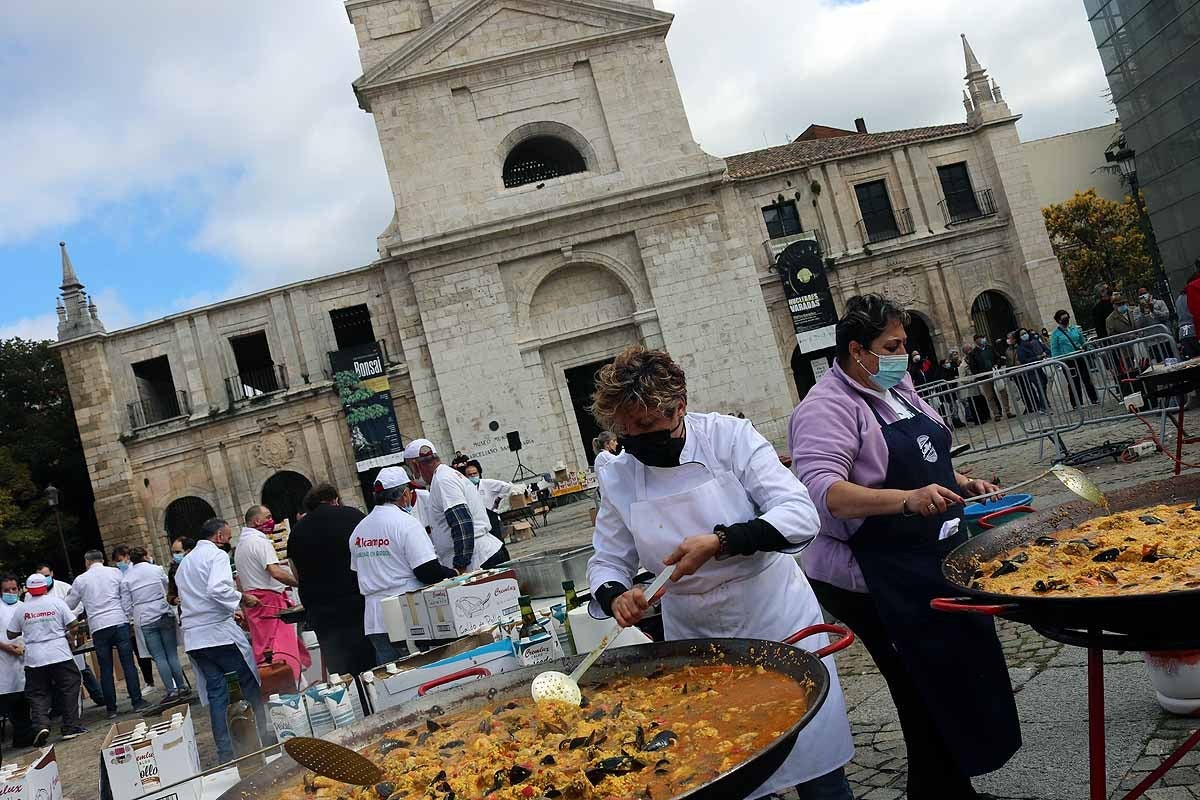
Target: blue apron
[955,660]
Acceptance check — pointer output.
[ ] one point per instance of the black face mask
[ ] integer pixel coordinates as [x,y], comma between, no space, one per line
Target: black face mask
[655,449]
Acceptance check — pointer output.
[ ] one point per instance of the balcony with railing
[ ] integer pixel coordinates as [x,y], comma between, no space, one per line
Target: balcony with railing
[780,243]
[883,225]
[966,206]
[256,383]
[155,409]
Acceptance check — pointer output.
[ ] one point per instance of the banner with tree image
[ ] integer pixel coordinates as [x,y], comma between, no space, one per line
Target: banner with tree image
[360,376]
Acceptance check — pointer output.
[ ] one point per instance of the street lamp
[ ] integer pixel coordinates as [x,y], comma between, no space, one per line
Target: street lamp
[1123,156]
[52,496]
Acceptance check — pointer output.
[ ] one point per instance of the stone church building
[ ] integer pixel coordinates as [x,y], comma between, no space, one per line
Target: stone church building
[552,207]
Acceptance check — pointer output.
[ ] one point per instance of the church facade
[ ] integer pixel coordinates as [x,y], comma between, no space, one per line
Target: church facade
[552,208]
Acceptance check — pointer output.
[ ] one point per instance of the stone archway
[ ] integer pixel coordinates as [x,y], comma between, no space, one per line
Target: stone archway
[185,515]
[920,336]
[283,493]
[992,315]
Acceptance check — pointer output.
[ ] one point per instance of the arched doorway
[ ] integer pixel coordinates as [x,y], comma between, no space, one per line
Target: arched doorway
[283,493]
[185,515]
[919,337]
[992,315]
[806,373]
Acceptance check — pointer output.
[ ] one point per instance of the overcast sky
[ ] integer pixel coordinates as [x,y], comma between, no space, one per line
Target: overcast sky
[190,152]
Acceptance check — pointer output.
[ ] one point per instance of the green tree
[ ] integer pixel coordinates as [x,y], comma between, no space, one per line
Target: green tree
[1097,240]
[39,445]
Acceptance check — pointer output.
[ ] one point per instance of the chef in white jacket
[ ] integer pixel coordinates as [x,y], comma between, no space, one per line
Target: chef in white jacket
[707,493]
[605,448]
[13,703]
[211,637]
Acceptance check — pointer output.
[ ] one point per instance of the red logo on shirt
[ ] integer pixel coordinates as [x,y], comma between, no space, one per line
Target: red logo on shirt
[361,542]
[32,615]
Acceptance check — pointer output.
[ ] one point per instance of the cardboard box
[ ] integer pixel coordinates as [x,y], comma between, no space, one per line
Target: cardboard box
[33,776]
[517,501]
[460,606]
[521,532]
[390,689]
[133,766]
[406,617]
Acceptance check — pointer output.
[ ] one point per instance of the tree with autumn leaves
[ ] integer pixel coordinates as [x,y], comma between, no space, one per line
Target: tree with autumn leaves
[1097,240]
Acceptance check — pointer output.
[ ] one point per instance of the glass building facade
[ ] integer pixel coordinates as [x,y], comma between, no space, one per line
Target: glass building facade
[1151,54]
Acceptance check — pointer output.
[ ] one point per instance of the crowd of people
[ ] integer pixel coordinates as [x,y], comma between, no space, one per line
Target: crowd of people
[970,384]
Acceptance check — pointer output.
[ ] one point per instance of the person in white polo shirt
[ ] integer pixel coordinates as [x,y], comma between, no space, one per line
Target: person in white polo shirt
[392,555]
[99,589]
[50,669]
[13,703]
[457,518]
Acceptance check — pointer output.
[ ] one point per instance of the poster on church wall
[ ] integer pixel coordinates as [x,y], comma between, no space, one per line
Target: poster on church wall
[806,287]
[360,376]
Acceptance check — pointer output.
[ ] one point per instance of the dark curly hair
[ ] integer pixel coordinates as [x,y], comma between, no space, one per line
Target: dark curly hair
[865,318]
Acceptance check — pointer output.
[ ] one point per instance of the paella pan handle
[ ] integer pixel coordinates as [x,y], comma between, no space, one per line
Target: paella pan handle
[841,644]
[989,521]
[963,605]
[482,672]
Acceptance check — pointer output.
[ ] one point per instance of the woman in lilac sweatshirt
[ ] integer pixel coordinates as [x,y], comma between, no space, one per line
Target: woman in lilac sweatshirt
[876,460]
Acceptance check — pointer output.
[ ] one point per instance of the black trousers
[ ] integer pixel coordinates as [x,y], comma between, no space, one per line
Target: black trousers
[499,558]
[16,708]
[345,649]
[59,681]
[932,773]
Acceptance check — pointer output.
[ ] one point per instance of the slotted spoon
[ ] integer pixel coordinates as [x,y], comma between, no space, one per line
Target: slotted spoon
[1071,478]
[553,685]
[331,760]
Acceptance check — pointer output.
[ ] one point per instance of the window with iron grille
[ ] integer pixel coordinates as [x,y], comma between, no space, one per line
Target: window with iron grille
[876,207]
[961,203]
[782,219]
[256,370]
[157,398]
[541,158]
[352,326]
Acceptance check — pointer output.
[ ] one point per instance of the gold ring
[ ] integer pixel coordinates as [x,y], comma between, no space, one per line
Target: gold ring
[932,507]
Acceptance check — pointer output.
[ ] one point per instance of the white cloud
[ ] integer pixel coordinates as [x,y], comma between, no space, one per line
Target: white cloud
[241,114]
[774,68]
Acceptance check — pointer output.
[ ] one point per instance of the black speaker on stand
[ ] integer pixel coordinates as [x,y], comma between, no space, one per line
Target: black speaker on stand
[523,473]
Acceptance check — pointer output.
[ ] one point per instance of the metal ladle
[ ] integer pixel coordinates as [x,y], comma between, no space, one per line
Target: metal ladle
[1071,478]
[553,685]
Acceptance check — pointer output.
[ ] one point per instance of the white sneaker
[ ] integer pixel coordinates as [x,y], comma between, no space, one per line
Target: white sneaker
[149,690]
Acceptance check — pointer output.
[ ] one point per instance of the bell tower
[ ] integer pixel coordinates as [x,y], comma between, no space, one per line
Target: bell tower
[982,98]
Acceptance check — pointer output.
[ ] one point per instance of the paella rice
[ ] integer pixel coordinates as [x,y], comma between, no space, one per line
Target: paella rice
[1145,551]
[636,738]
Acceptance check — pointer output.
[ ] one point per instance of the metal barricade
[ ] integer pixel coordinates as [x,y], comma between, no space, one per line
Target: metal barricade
[775,431]
[1013,406]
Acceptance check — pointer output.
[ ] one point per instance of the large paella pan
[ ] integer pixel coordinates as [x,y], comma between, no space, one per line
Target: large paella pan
[1126,610]
[694,762]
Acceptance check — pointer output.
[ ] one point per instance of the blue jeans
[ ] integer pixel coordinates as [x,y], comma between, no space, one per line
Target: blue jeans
[214,663]
[162,642]
[105,640]
[385,651]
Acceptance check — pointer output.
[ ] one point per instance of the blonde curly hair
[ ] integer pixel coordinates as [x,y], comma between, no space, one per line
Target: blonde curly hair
[638,379]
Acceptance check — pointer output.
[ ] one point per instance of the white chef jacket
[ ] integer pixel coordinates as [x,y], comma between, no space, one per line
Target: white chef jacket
[493,492]
[602,458]
[12,668]
[100,591]
[254,552]
[728,473]
[450,488]
[43,622]
[384,548]
[144,594]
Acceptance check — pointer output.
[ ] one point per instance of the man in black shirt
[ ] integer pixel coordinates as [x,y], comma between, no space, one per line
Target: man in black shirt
[1102,310]
[319,549]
